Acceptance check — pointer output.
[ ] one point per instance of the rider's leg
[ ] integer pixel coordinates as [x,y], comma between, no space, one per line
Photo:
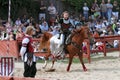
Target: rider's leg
[59,36]
[64,44]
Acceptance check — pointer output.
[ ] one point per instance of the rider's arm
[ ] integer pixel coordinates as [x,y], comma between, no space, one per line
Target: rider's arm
[61,21]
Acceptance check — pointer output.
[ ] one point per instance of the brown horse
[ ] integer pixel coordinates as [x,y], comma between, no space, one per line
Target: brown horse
[75,46]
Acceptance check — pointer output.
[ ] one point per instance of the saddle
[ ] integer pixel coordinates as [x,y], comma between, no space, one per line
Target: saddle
[67,39]
[66,42]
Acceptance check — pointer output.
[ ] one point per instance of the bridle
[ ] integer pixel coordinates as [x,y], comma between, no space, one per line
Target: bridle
[79,46]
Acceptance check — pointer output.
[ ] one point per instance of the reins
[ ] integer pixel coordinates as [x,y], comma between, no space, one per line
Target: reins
[79,46]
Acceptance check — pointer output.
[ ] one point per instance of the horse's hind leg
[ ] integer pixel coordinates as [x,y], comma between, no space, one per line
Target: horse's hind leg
[81,60]
[70,62]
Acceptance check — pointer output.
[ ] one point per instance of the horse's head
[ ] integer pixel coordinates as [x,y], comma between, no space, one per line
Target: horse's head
[85,33]
[88,34]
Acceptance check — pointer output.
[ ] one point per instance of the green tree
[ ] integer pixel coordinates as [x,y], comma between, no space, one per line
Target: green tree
[18,8]
[78,4]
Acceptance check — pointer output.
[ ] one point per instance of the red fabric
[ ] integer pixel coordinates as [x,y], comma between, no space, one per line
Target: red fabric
[100,47]
[65,26]
[30,47]
[84,48]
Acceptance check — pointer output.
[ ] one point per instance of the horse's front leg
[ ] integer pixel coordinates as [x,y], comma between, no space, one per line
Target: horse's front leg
[45,64]
[70,61]
[46,58]
[81,60]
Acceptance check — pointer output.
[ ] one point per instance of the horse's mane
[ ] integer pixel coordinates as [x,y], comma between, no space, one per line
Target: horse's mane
[46,36]
[45,40]
[81,30]
[81,33]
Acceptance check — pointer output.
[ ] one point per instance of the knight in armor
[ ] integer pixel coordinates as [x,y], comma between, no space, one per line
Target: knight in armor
[65,26]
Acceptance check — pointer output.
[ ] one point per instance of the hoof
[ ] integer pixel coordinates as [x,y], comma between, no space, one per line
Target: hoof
[85,70]
[50,70]
[38,69]
[68,70]
[43,67]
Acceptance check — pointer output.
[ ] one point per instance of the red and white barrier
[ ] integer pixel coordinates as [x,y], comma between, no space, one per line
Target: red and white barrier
[6,66]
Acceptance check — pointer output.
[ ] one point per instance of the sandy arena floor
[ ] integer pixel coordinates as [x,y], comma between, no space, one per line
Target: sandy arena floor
[100,68]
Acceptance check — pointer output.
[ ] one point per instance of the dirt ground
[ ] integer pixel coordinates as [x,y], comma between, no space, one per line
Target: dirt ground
[101,68]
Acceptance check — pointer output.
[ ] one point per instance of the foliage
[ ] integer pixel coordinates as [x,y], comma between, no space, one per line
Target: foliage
[18,8]
[78,4]
[31,7]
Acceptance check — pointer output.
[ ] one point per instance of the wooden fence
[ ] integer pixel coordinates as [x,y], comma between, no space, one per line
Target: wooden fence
[105,40]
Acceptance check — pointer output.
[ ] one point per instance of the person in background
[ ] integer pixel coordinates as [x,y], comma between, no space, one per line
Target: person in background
[24,20]
[115,10]
[44,27]
[85,11]
[109,10]
[42,10]
[27,55]
[19,33]
[52,11]
[37,31]
[18,22]
[103,8]
[93,8]
[55,29]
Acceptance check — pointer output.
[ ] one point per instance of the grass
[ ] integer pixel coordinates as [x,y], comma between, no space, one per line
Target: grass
[76,60]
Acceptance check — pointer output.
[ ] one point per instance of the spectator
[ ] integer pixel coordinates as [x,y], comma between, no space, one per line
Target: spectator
[18,22]
[11,36]
[24,19]
[23,27]
[97,13]
[116,43]
[30,21]
[44,27]
[98,26]
[8,27]
[19,33]
[52,21]
[85,11]
[37,31]
[55,29]
[109,10]
[42,13]
[103,33]
[52,11]
[114,28]
[115,9]
[93,8]
[99,45]
[103,8]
